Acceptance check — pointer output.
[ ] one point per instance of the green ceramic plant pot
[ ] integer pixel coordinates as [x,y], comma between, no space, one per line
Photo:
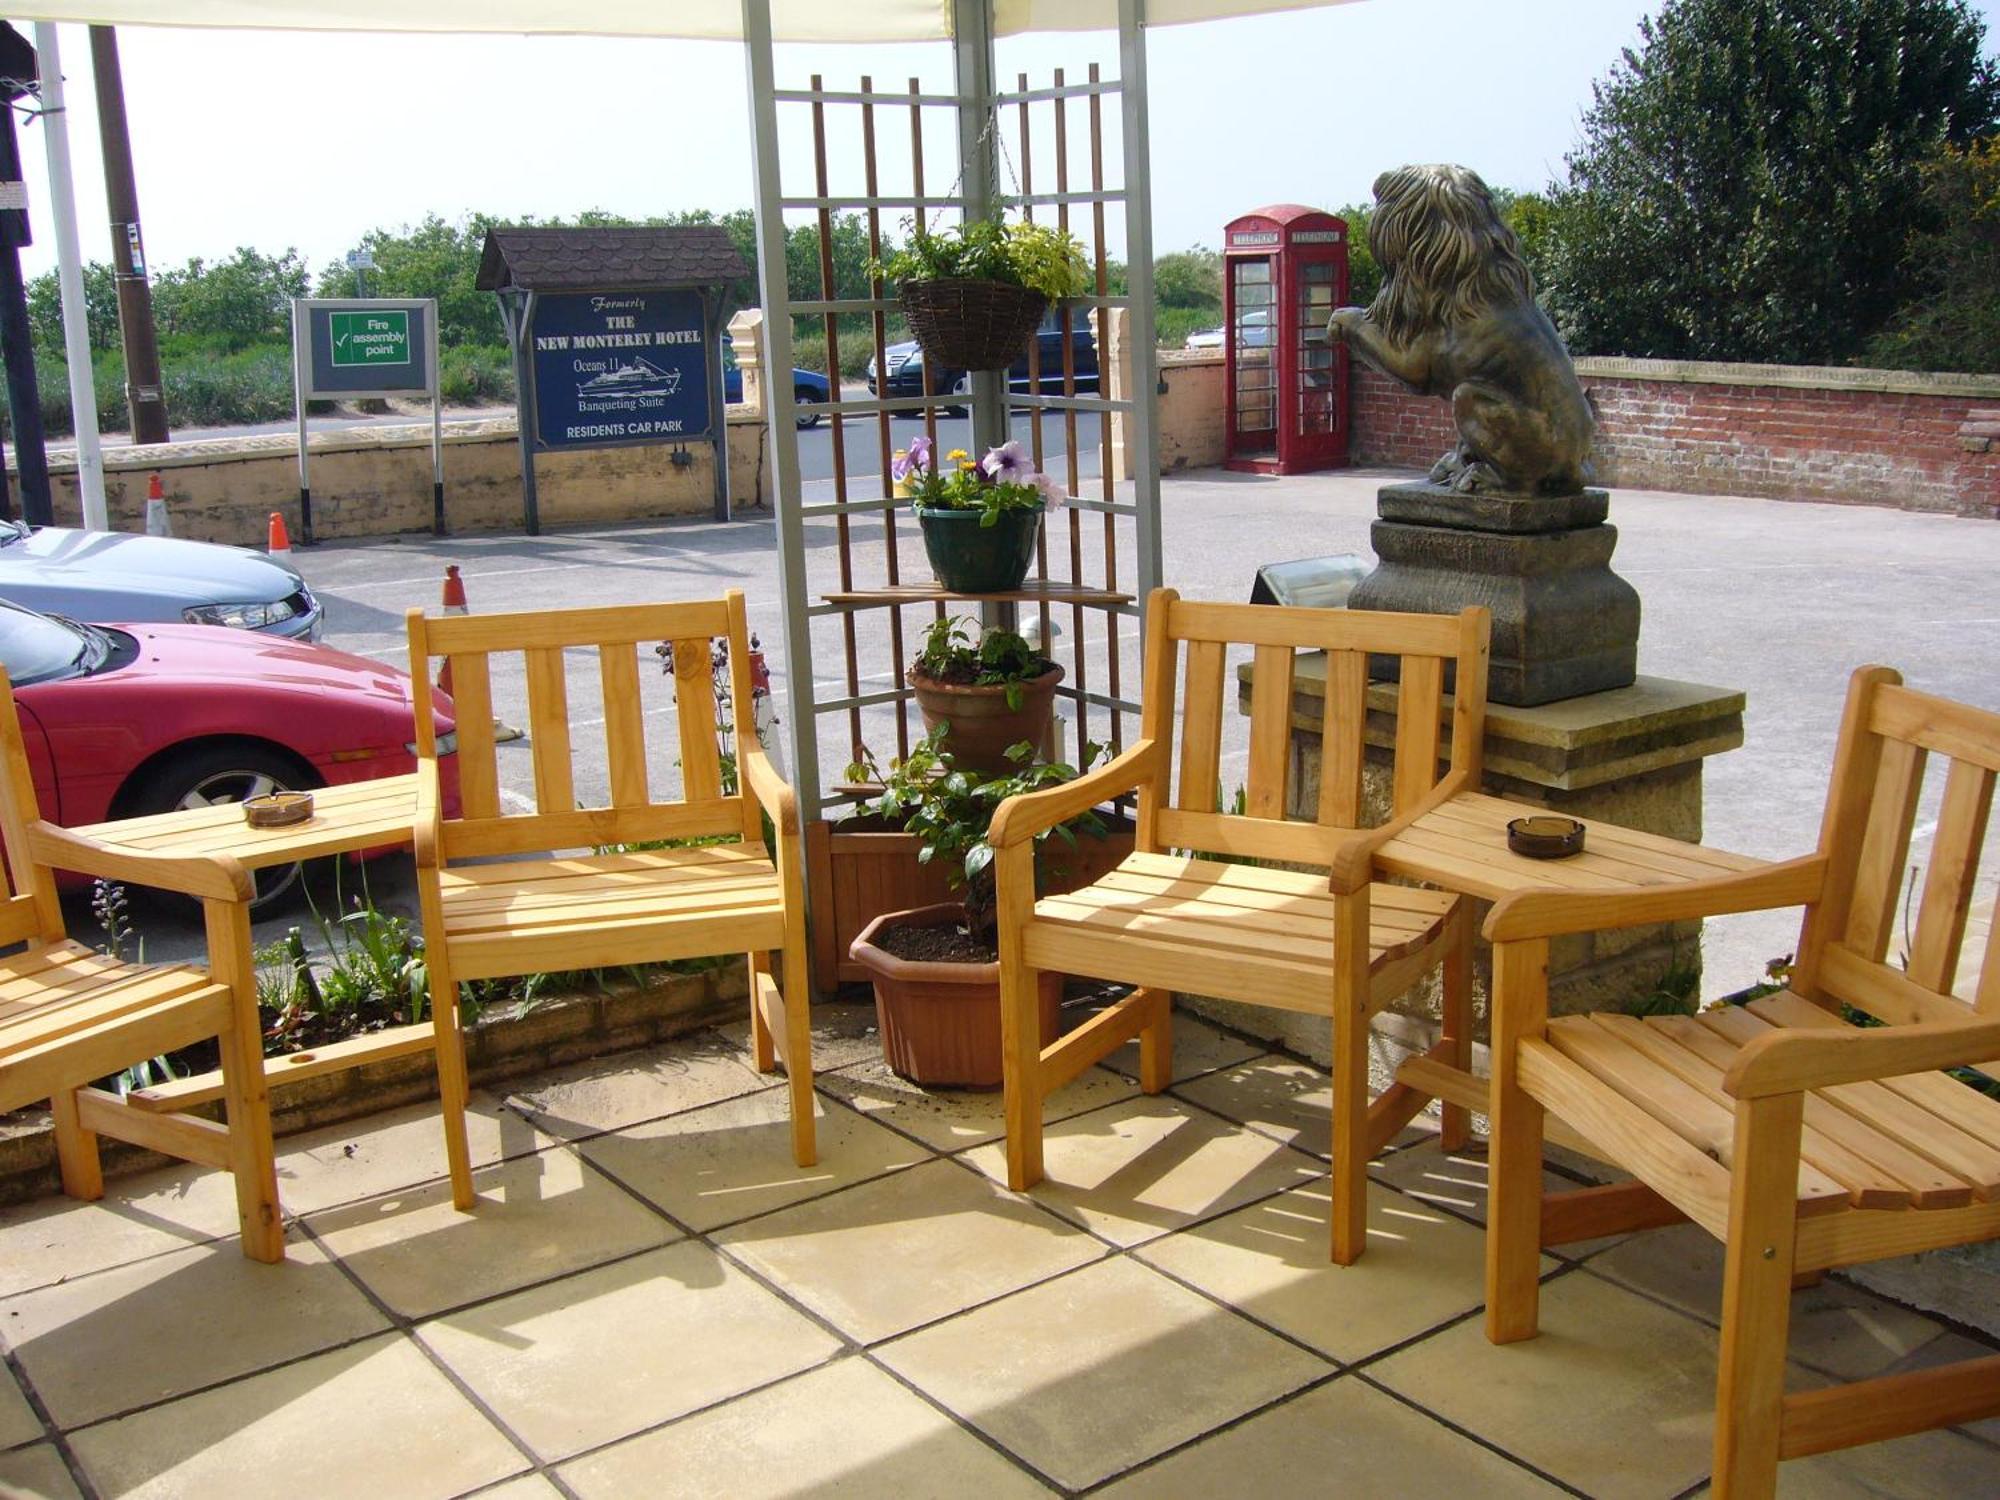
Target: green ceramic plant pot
[968,558]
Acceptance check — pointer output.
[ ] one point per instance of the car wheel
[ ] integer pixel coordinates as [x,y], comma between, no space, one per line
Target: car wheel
[202,776]
[800,396]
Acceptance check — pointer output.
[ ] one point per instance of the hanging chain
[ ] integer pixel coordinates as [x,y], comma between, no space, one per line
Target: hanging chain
[993,133]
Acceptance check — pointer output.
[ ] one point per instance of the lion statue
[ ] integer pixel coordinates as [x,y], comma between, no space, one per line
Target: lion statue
[1457,318]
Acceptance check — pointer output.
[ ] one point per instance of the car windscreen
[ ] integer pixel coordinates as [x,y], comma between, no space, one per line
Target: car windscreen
[35,648]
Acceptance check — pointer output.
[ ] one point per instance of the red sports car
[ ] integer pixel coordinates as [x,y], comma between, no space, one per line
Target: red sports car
[133,719]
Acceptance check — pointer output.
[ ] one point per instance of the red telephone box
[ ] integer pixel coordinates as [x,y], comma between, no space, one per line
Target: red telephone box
[1284,270]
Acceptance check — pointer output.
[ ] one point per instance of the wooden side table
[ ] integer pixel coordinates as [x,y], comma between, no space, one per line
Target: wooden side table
[360,815]
[1461,846]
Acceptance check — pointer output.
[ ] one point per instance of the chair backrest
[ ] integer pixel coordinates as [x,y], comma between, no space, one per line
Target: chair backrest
[1186,815]
[621,639]
[29,911]
[1865,942]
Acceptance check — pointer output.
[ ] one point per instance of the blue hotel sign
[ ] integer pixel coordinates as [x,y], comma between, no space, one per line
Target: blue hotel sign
[618,368]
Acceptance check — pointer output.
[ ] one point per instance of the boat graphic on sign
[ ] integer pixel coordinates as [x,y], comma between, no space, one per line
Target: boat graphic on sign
[639,378]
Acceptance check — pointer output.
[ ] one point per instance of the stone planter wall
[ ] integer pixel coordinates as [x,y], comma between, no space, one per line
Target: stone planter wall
[508,1042]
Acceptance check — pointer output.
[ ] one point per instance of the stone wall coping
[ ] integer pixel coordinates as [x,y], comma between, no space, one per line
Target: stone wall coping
[1568,745]
[1793,377]
[1173,358]
[200,452]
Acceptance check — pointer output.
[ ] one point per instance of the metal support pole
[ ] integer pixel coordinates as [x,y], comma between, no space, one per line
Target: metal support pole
[782,433]
[301,319]
[128,254]
[518,309]
[979,178]
[718,407]
[69,272]
[437,422]
[1139,284]
[17,348]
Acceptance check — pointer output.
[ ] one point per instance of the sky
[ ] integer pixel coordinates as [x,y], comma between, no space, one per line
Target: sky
[296,141]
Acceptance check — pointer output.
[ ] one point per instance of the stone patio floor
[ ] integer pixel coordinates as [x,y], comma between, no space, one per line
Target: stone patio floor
[651,1300]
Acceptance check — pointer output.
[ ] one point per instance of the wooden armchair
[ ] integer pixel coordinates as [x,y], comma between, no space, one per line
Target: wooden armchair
[1800,1140]
[486,916]
[1329,943]
[72,1016]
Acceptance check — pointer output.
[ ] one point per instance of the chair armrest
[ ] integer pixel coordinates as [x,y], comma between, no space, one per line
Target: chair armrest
[218,877]
[1552,912]
[1021,818]
[773,793]
[1353,864]
[427,828]
[1787,1061]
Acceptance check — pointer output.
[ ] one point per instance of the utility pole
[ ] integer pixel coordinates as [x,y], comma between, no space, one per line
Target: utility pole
[24,399]
[128,254]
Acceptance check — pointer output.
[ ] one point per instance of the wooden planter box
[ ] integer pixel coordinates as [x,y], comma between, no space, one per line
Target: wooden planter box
[856,870]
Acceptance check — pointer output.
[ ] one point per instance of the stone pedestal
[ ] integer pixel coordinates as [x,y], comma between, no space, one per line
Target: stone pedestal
[1563,623]
[1631,756]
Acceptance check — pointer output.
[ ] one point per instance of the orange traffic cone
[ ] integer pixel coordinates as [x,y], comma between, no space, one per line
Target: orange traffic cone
[156,509]
[280,544]
[453,603]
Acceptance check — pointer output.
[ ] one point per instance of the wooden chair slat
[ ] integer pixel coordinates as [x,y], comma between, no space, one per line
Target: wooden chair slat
[694,701]
[1270,732]
[1200,769]
[1247,838]
[478,771]
[1420,703]
[590,827]
[1954,865]
[1365,630]
[1987,996]
[624,723]
[1341,738]
[630,624]
[1957,730]
[548,730]
[1876,905]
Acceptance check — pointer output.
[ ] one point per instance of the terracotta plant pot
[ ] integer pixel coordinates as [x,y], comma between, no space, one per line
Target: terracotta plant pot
[941,1021]
[982,725]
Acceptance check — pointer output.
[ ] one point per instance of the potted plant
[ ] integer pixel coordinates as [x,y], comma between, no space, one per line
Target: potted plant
[974,293]
[989,694]
[979,520]
[936,969]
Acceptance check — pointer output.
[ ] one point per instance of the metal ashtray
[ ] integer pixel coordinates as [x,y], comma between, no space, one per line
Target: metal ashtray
[278,809]
[1545,836]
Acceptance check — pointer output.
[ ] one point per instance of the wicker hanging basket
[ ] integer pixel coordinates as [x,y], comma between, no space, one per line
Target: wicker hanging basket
[972,325]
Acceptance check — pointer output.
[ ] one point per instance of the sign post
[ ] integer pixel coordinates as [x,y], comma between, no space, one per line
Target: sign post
[370,347]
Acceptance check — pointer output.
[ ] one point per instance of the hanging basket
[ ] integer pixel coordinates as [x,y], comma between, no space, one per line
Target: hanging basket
[972,325]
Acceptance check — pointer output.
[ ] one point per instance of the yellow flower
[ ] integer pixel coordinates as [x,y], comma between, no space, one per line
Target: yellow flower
[958,453]
[967,466]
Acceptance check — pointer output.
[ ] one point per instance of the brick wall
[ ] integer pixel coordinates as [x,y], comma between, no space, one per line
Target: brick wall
[1877,437]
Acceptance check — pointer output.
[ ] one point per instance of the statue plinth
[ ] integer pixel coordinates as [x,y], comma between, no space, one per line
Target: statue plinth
[1563,623]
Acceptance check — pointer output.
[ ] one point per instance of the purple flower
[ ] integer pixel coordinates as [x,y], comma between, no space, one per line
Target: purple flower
[1052,491]
[914,462]
[1007,464]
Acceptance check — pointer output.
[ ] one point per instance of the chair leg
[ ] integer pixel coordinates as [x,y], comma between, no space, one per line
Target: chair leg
[1455,1030]
[76,1150]
[1350,1078]
[763,1051]
[1514,1156]
[1757,1297]
[454,1091]
[798,1046]
[1156,1042]
[246,1094]
[1021,1071]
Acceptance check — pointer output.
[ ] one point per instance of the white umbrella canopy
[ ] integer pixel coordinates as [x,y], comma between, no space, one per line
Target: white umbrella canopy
[791,20]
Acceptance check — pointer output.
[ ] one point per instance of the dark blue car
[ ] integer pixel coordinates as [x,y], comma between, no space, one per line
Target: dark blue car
[807,385]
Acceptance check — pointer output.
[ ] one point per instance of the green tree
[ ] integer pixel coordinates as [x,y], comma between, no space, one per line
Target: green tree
[1748,175]
[244,300]
[1189,278]
[100,300]
[436,258]
[1951,320]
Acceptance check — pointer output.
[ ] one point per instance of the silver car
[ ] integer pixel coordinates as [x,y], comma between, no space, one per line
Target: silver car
[121,576]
